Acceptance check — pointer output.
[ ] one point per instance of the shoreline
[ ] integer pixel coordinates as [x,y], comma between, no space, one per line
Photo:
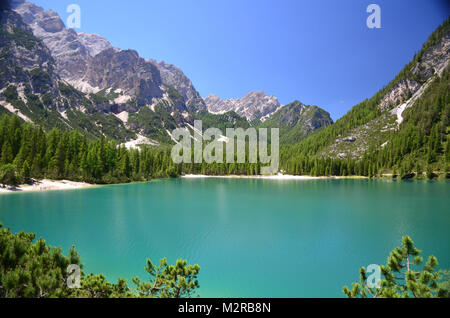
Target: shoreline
[46,185]
[269,177]
[55,185]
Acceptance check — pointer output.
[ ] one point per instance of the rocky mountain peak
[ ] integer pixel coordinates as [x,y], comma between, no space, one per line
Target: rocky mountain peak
[173,76]
[254,105]
[91,64]
[94,43]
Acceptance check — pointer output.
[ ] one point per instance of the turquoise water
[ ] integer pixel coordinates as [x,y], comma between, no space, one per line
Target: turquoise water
[252,238]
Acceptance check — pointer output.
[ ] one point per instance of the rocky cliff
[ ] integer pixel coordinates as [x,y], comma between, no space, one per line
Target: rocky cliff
[73,80]
[253,106]
[91,64]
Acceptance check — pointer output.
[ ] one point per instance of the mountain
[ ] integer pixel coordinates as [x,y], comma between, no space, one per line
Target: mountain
[91,64]
[403,127]
[297,121]
[174,77]
[253,106]
[31,87]
[57,78]
[105,91]
[85,83]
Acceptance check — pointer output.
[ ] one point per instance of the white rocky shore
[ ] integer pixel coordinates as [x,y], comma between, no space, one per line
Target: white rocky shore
[44,185]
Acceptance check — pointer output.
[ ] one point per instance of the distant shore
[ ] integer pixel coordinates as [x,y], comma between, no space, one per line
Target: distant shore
[48,185]
[45,185]
[273,177]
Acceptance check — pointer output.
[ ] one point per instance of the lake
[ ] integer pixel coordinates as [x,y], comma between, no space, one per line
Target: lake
[251,237]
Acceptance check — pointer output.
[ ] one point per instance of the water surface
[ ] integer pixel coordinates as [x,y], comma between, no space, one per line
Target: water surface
[251,237]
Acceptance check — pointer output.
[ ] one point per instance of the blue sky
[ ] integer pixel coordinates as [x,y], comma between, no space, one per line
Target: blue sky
[319,52]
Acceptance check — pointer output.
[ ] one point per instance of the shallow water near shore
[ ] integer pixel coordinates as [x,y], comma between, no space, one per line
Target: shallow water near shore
[251,237]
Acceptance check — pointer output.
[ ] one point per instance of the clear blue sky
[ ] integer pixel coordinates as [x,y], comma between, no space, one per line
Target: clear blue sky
[317,51]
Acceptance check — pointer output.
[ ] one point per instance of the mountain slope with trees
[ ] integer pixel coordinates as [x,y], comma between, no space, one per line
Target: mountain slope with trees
[402,129]
[58,78]
[296,121]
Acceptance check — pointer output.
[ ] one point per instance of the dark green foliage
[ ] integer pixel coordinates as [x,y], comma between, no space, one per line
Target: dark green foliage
[40,80]
[92,123]
[104,96]
[32,270]
[70,155]
[296,121]
[168,281]
[444,284]
[421,140]
[36,270]
[221,121]
[21,37]
[8,175]
[11,93]
[402,277]
[98,99]
[174,94]
[422,137]
[154,123]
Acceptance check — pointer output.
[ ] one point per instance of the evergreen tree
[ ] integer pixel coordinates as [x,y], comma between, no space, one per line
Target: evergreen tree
[26,172]
[168,281]
[402,278]
[7,154]
[8,175]
[33,269]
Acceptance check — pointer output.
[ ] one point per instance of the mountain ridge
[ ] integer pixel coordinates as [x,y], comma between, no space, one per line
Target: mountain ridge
[137,96]
[403,128]
[253,105]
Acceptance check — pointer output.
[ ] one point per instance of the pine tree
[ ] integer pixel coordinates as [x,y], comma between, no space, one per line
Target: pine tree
[7,154]
[402,278]
[37,270]
[430,174]
[8,175]
[26,172]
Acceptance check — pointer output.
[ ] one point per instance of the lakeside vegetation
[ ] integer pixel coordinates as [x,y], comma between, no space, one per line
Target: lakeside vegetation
[402,278]
[27,153]
[418,148]
[31,268]
[420,143]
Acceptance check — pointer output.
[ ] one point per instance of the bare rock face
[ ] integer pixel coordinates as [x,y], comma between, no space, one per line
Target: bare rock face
[254,105]
[94,43]
[69,52]
[131,73]
[433,61]
[402,91]
[216,105]
[173,76]
[51,22]
[91,64]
